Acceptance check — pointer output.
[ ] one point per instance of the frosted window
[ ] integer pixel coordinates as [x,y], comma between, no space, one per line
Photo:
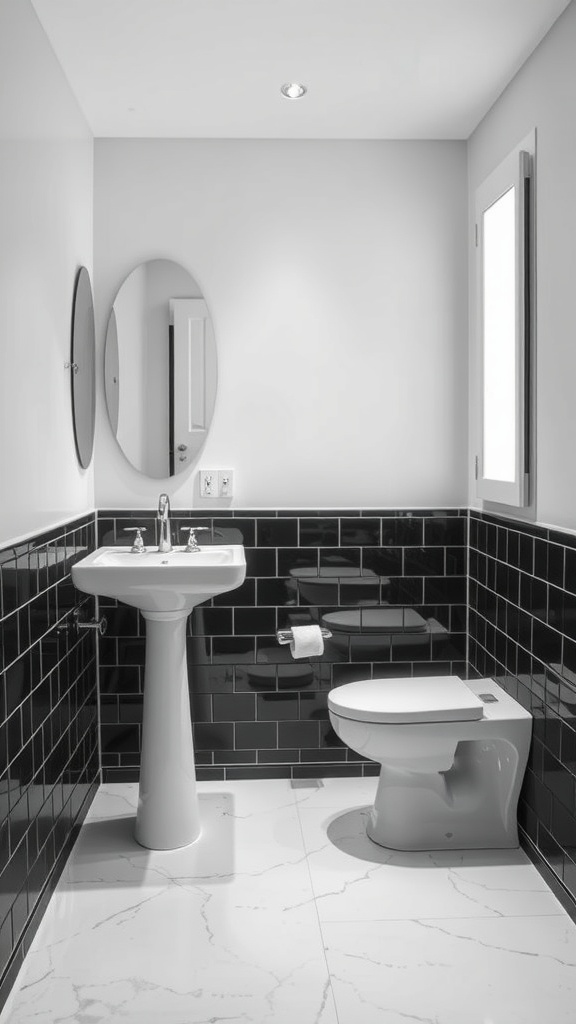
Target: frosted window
[499,329]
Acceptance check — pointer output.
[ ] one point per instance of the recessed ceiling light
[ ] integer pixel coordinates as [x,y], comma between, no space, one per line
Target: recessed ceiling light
[293,90]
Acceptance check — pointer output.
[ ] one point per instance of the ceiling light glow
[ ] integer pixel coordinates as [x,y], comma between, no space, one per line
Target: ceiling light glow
[293,90]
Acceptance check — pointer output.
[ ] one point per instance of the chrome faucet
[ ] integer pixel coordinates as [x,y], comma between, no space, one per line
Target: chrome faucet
[165,543]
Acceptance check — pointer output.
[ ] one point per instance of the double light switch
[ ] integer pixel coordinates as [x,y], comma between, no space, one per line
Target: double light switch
[216,483]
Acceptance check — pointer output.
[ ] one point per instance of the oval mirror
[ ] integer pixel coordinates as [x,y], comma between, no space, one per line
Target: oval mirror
[83,366]
[160,369]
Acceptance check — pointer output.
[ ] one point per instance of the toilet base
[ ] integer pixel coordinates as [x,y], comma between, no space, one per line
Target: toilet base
[465,808]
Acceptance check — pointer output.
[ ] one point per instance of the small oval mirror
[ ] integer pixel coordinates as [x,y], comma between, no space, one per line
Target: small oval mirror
[83,367]
[160,369]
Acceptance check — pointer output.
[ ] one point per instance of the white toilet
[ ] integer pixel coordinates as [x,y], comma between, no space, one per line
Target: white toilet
[453,756]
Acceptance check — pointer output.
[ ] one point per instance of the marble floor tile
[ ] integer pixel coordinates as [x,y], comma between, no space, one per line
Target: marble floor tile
[466,971]
[284,912]
[337,793]
[225,929]
[354,879]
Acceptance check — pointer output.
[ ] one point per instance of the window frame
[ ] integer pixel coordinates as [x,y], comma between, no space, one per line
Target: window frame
[516,170]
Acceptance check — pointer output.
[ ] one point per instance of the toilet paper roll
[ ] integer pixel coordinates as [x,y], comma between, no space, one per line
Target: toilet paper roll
[307,642]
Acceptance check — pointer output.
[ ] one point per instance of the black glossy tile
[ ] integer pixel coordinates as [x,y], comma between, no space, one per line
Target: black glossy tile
[445,531]
[275,592]
[424,561]
[351,673]
[526,553]
[402,531]
[357,591]
[445,590]
[332,771]
[556,607]
[299,675]
[9,639]
[276,707]
[287,756]
[383,561]
[294,559]
[234,707]
[456,561]
[256,735]
[277,533]
[235,530]
[237,757]
[568,744]
[339,562]
[261,562]
[318,532]
[213,736]
[243,595]
[206,621]
[254,621]
[569,615]
[514,549]
[550,849]
[313,706]
[298,734]
[559,780]
[570,571]
[259,772]
[322,755]
[316,591]
[115,679]
[555,564]
[255,678]
[361,532]
[233,649]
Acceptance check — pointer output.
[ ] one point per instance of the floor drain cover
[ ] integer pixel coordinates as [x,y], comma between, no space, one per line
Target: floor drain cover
[306,783]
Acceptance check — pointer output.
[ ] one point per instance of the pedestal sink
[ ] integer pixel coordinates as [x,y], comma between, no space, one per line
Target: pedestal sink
[165,587]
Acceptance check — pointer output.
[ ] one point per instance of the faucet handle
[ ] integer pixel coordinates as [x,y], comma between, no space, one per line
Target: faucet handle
[138,545]
[192,544]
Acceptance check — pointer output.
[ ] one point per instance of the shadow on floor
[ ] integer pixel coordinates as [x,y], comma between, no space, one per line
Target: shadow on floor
[347,832]
[106,852]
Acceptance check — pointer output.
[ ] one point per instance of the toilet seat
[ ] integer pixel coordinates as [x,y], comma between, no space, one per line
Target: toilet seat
[406,700]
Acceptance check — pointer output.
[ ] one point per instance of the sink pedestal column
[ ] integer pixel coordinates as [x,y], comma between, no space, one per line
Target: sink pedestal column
[167,815]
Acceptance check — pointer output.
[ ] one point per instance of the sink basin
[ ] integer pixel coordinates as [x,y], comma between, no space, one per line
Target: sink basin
[154,581]
[165,587]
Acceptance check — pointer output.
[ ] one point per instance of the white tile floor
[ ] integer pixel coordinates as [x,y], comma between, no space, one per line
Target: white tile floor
[285,912]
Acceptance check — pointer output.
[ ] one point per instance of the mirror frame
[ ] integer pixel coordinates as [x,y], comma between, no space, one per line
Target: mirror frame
[83,368]
[210,400]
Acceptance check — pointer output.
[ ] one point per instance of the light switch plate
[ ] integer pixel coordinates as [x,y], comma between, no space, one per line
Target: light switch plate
[225,483]
[208,483]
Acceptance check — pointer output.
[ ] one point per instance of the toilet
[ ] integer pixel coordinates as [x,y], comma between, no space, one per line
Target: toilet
[453,755]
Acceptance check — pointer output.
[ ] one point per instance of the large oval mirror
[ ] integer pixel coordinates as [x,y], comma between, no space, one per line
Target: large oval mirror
[160,369]
[83,366]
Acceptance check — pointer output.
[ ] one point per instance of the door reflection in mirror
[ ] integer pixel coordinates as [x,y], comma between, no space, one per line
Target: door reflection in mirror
[160,368]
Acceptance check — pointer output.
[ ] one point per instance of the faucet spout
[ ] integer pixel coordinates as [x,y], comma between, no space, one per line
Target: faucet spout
[165,542]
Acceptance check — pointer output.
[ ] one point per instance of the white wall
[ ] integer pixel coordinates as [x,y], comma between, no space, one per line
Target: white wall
[336,277]
[543,95]
[45,235]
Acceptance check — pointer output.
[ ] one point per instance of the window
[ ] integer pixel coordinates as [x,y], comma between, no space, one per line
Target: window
[504,251]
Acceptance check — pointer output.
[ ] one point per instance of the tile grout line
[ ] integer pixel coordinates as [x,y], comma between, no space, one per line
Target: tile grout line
[321,933]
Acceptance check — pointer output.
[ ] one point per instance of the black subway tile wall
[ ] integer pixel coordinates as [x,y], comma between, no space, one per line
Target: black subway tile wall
[49,764]
[522,625]
[399,577]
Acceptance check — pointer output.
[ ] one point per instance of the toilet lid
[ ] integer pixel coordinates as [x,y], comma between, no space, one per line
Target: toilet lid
[375,620]
[426,699]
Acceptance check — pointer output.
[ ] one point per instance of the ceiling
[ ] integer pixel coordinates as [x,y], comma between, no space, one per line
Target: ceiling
[375,69]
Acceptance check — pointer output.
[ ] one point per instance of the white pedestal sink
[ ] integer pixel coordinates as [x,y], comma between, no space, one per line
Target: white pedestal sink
[165,587]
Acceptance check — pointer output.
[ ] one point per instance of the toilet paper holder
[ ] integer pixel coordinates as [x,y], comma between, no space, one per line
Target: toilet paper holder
[284,636]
